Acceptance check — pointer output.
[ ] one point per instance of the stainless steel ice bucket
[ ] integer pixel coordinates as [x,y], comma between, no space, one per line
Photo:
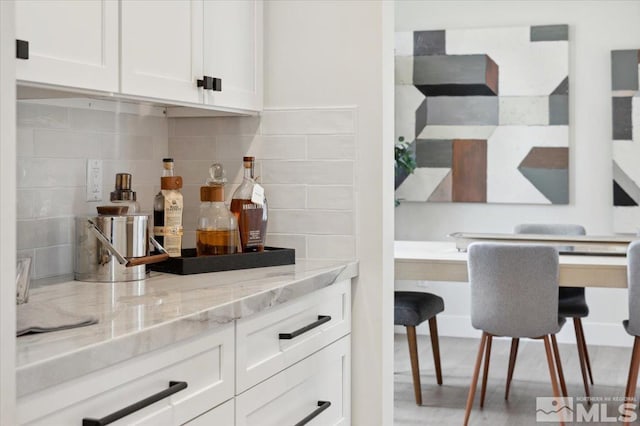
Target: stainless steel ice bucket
[113,248]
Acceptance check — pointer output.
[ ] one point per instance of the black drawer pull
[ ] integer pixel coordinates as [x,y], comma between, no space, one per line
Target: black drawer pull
[22,49]
[322,405]
[321,320]
[174,387]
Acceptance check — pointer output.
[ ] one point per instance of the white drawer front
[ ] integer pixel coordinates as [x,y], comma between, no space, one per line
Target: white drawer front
[292,395]
[222,415]
[261,353]
[204,362]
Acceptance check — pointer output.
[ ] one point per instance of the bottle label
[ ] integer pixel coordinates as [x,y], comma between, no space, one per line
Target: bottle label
[257,196]
[172,232]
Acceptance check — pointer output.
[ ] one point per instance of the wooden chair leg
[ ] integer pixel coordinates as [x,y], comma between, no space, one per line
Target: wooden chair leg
[580,345]
[485,374]
[512,365]
[556,355]
[415,366]
[474,379]
[632,380]
[552,370]
[584,346]
[435,347]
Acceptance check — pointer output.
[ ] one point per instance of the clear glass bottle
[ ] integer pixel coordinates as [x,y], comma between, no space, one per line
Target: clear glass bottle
[217,231]
[167,211]
[249,205]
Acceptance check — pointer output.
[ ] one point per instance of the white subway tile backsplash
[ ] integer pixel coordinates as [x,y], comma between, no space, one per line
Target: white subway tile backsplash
[296,242]
[305,160]
[44,232]
[53,261]
[234,147]
[35,115]
[24,142]
[308,121]
[93,120]
[50,172]
[331,247]
[65,143]
[310,172]
[147,125]
[192,148]
[54,144]
[331,147]
[203,126]
[310,222]
[282,147]
[126,147]
[286,196]
[41,203]
[143,172]
[330,197]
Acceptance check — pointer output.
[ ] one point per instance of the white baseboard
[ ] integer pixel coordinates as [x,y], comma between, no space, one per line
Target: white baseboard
[600,334]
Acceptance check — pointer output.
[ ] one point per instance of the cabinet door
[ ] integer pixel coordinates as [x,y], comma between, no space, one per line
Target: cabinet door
[316,389]
[71,43]
[162,49]
[233,52]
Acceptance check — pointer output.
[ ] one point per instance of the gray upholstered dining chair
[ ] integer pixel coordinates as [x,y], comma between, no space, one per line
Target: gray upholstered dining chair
[632,325]
[514,293]
[572,303]
[410,310]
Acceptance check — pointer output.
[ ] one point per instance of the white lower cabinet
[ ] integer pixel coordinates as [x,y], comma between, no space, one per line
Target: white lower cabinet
[222,415]
[286,365]
[204,363]
[314,391]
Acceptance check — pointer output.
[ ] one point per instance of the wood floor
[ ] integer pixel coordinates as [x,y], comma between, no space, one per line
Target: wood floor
[444,405]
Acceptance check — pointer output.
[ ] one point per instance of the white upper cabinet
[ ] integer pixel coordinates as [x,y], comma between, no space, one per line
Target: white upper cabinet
[233,52]
[206,52]
[71,43]
[162,49]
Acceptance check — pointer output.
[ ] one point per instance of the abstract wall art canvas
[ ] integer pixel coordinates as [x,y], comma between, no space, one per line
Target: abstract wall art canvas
[625,114]
[487,114]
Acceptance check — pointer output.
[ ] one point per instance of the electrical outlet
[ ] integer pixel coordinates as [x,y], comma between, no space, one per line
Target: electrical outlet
[94,180]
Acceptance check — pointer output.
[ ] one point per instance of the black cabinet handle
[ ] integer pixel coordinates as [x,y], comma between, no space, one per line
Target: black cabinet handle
[217,85]
[321,320]
[210,83]
[22,49]
[174,387]
[206,83]
[322,405]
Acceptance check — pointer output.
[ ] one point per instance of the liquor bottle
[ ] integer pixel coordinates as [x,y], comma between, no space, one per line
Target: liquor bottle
[217,231]
[249,205]
[167,211]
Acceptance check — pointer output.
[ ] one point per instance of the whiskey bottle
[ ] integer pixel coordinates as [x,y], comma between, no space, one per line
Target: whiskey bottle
[167,211]
[217,231]
[249,205]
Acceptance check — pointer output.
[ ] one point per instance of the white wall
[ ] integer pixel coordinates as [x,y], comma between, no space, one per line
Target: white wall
[328,53]
[7,214]
[595,28]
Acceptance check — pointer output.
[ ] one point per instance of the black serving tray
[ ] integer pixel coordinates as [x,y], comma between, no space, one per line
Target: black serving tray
[189,263]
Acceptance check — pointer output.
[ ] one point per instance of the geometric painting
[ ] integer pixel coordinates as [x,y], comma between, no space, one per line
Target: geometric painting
[486,112]
[625,118]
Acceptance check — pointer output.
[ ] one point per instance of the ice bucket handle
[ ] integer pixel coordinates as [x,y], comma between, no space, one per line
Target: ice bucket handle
[130,261]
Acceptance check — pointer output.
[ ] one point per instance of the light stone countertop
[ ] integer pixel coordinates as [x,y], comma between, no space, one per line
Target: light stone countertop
[141,316]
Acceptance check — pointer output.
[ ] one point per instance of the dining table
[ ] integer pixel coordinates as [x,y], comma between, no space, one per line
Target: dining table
[443,261]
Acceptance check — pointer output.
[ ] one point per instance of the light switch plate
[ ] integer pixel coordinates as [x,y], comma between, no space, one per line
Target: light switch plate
[94,180]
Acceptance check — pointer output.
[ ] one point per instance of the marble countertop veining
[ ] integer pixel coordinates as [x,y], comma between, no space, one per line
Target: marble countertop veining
[141,316]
